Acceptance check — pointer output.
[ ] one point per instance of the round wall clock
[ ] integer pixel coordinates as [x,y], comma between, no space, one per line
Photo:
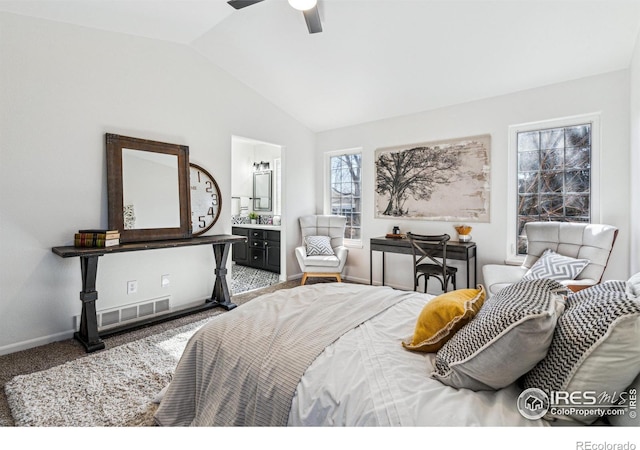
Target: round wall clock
[206,200]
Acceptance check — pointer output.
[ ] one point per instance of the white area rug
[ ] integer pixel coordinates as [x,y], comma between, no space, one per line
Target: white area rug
[115,387]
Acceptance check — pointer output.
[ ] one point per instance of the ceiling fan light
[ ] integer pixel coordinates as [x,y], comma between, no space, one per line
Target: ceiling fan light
[303,5]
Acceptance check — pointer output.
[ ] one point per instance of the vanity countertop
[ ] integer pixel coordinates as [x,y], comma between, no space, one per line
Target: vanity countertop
[256,226]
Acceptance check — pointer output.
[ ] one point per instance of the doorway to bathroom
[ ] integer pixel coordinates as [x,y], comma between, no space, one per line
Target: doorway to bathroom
[256,212]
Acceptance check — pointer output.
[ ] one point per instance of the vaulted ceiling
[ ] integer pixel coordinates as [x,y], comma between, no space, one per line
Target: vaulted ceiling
[377,59]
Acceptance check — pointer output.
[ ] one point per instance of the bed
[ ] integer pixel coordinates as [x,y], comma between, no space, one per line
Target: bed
[340,354]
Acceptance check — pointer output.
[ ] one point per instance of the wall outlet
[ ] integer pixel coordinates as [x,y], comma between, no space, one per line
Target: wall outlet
[132,287]
[165,281]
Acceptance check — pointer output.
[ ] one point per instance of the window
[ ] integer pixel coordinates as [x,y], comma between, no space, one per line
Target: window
[554,174]
[345,188]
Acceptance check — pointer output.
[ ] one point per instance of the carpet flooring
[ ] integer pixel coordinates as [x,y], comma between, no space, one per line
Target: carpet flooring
[57,353]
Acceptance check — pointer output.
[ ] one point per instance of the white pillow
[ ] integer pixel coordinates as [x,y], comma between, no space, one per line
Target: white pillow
[633,285]
[554,266]
[505,340]
[318,246]
[595,348]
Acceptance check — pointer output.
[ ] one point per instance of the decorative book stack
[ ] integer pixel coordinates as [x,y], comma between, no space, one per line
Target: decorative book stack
[96,238]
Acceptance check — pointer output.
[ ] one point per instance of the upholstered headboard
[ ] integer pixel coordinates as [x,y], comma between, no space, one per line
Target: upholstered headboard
[324,225]
[577,240]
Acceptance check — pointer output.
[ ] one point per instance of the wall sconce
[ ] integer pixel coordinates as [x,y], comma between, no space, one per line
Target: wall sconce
[262,165]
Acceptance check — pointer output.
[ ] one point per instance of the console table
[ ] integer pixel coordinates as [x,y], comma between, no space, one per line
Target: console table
[462,251]
[89,335]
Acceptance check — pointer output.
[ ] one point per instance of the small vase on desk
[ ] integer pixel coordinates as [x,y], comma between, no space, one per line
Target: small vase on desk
[463,233]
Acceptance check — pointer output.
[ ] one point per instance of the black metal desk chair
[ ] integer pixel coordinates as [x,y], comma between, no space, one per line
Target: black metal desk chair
[428,248]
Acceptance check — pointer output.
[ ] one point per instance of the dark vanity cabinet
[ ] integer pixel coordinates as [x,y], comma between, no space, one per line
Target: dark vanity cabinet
[261,250]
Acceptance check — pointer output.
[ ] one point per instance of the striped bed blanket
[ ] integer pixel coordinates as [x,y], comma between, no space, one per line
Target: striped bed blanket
[242,368]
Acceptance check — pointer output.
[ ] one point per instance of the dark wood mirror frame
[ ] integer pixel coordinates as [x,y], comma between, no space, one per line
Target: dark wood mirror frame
[114,144]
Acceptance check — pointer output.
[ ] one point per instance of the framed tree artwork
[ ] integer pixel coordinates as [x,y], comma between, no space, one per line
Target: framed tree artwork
[444,180]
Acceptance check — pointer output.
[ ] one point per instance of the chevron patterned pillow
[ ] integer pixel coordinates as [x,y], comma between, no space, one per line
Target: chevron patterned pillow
[507,338]
[319,246]
[554,266]
[595,348]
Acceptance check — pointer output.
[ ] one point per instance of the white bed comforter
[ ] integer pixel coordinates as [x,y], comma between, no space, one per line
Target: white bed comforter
[366,378]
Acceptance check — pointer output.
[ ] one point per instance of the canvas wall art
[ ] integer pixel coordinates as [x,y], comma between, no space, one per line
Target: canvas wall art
[444,180]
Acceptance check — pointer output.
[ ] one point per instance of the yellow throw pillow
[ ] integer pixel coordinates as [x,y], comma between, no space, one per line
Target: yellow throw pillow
[443,316]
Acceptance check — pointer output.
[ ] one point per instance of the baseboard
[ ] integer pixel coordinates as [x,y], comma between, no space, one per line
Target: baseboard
[295,276]
[32,343]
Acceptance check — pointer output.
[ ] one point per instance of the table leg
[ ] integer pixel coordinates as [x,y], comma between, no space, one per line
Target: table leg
[88,333]
[370,267]
[221,296]
[468,271]
[383,267]
[475,268]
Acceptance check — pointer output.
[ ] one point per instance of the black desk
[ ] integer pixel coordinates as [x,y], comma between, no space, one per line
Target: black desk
[88,334]
[461,251]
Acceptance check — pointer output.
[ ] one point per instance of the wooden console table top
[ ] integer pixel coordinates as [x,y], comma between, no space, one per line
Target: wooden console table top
[71,251]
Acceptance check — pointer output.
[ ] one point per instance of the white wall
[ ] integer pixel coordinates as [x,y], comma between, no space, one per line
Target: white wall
[635,159]
[607,94]
[62,88]
[241,168]
[244,154]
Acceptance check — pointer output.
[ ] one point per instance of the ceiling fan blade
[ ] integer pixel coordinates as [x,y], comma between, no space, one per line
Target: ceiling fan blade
[239,4]
[312,17]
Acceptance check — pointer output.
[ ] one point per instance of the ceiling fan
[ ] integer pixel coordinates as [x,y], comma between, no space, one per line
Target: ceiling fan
[309,9]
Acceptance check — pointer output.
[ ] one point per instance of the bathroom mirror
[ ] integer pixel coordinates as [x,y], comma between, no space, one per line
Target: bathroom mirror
[148,189]
[262,191]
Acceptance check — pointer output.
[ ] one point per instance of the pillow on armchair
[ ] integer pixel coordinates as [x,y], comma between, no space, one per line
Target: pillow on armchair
[318,246]
[554,266]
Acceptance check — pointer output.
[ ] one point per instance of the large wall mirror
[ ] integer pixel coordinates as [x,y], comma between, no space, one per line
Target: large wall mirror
[262,191]
[148,189]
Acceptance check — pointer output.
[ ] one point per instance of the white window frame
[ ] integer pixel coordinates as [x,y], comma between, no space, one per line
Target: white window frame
[355,243]
[512,178]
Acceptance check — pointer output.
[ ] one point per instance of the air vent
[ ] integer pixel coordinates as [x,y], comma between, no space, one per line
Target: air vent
[110,318]
[162,305]
[129,313]
[146,309]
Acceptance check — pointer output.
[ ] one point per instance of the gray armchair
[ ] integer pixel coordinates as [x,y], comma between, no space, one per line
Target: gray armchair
[331,262]
[576,240]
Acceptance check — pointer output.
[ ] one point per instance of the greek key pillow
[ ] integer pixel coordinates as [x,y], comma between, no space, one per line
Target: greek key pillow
[596,348]
[554,266]
[508,337]
[318,245]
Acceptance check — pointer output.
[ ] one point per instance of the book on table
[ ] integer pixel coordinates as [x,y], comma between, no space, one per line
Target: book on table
[108,234]
[96,239]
